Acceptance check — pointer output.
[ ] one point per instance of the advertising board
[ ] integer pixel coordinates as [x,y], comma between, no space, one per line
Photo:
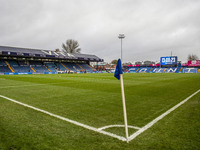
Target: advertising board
[170,60]
[194,63]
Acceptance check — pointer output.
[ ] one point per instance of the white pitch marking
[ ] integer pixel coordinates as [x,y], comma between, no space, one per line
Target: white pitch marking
[4,87]
[141,130]
[111,126]
[35,84]
[134,135]
[68,120]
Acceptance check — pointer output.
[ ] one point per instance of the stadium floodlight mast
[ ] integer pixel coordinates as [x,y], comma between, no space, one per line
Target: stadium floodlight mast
[121,36]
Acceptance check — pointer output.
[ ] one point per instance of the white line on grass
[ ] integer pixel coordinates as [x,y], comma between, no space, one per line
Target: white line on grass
[34,84]
[111,126]
[14,86]
[100,130]
[68,120]
[160,117]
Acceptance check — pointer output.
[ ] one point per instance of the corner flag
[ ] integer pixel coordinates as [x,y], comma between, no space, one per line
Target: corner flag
[118,69]
[119,75]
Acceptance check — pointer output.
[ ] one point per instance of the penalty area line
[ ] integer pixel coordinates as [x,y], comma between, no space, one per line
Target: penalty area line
[134,135]
[67,120]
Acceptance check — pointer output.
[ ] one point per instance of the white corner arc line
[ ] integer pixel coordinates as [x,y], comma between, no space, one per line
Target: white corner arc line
[112,126]
[134,135]
[67,120]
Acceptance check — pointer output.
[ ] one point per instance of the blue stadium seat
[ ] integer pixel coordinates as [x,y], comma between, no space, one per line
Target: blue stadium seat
[86,67]
[40,69]
[22,69]
[157,70]
[12,63]
[171,70]
[51,66]
[2,63]
[72,67]
[144,70]
[132,70]
[4,69]
[190,70]
[60,67]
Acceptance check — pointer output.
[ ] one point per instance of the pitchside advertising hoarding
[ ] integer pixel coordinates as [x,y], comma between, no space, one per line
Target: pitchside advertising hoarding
[194,63]
[170,60]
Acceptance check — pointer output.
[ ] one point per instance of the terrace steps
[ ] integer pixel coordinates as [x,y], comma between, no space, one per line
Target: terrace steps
[33,69]
[181,69]
[137,69]
[80,67]
[64,66]
[48,69]
[90,66]
[9,66]
[150,69]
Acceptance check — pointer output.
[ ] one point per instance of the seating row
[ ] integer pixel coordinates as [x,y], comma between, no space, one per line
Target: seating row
[41,67]
[163,70]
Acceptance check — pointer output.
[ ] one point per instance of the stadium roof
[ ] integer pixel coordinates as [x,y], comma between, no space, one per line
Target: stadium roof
[27,52]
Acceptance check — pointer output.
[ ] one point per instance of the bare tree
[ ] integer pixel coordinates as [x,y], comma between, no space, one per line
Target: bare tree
[192,57]
[57,50]
[71,46]
[114,61]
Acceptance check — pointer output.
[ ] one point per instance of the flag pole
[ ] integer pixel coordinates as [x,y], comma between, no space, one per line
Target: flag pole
[124,107]
[121,36]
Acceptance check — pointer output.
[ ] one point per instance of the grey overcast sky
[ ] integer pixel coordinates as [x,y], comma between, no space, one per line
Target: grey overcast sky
[153,28]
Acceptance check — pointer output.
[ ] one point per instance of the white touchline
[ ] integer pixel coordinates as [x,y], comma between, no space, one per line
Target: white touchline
[160,117]
[66,119]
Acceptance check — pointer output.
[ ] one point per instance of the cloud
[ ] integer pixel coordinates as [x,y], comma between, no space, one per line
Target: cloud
[152,28]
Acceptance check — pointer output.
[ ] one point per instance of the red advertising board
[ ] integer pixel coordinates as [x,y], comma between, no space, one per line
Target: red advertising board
[130,65]
[194,63]
[157,65]
[136,65]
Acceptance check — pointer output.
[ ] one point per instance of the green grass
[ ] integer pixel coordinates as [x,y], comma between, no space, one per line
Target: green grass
[95,100]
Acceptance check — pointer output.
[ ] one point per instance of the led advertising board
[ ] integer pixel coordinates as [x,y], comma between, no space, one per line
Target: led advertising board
[168,60]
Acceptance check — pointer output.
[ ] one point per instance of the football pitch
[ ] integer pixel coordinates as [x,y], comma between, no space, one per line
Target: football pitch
[84,111]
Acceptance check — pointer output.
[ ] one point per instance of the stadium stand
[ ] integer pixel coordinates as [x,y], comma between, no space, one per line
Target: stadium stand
[40,69]
[22,63]
[73,67]
[21,69]
[163,70]
[4,69]
[144,70]
[190,70]
[2,63]
[61,67]
[35,63]
[12,63]
[132,70]
[15,60]
[171,70]
[86,67]
[51,66]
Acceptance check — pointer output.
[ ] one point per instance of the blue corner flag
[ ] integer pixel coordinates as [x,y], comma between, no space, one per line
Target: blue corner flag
[118,69]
